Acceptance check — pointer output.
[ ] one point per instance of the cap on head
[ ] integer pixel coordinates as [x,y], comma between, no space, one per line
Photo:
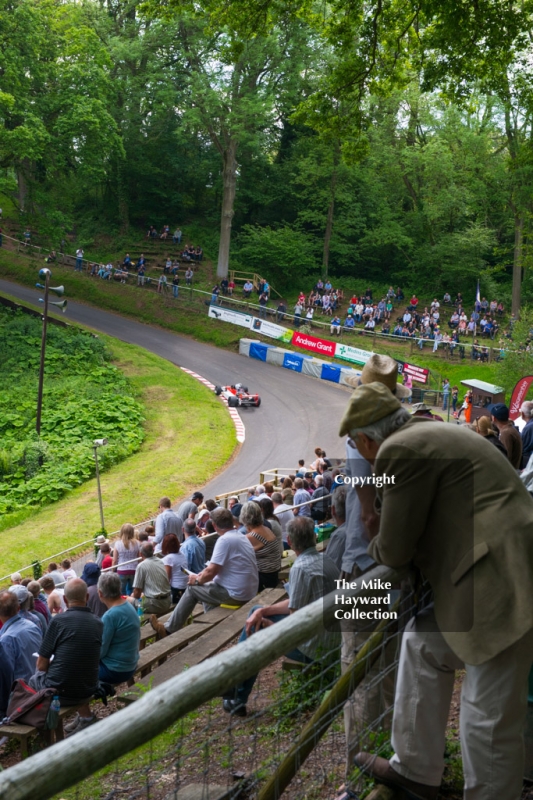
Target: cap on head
[499,411]
[369,403]
[381,369]
[20,592]
[420,407]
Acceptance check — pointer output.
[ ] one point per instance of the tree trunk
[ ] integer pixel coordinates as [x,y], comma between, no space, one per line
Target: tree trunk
[229,183]
[23,171]
[122,197]
[517,262]
[329,225]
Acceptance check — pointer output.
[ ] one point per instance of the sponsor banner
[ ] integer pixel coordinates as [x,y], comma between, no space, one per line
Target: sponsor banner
[271,329]
[418,374]
[349,353]
[519,395]
[226,315]
[319,346]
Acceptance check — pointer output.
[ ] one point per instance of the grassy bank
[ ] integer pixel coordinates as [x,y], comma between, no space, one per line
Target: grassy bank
[181,416]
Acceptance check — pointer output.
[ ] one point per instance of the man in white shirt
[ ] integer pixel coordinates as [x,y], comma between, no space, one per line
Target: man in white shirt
[231,576]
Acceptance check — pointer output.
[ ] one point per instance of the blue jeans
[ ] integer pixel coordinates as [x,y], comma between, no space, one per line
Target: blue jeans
[175,290]
[444,402]
[79,264]
[126,583]
[242,692]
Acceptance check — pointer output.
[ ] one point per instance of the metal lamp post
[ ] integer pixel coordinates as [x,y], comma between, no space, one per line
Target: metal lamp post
[46,274]
[96,444]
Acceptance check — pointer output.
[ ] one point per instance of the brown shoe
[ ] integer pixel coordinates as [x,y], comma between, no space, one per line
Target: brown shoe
[381,770]
[158,627]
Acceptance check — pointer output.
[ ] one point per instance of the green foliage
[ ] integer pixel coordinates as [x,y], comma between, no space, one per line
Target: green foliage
[84,398]
[518,361]
[285,255]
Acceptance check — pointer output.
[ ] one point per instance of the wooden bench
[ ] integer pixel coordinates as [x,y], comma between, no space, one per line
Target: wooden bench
[214,638]
[24,732]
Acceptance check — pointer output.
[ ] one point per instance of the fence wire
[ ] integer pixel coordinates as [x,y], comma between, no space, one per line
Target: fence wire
[209,754]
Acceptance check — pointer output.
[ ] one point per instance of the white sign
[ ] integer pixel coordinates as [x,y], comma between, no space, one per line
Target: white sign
[271,329]
[348,353]
[226,315]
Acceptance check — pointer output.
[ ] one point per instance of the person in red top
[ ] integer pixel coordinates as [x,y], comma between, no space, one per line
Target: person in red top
[301,298]
[414,302]
[354,300]
[107,560]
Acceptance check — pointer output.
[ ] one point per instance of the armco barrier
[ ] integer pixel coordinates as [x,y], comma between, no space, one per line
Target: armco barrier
[297,362]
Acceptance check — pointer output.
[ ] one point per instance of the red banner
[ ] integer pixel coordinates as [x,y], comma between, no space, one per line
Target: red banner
[418,374]
[519,395]
[319,346]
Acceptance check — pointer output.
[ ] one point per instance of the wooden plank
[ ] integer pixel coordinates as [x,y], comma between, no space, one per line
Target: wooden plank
[147,632]
[201,791]
[176,641]
[206,645]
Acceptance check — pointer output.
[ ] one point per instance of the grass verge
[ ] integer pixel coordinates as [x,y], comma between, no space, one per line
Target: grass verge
[181,415]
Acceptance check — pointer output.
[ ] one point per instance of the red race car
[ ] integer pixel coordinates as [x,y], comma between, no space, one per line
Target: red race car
[238,395]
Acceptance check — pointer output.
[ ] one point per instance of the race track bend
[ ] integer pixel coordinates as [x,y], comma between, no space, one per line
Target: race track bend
[297,412]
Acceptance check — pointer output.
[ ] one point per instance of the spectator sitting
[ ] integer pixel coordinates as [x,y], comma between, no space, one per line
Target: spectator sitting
[267,507]
[141,261]
[107,559]
[74,639]
[312,576]
[90,575]
[51,257]
[119,652]
[230,578]
[68,572]
[168,266]
[349,323]
[151,580]
[265,544]
[54,596]
[19,639]
[231,288]
[247,289]
[174,562]
[27,607]
[127,261]
[165,232]
[193,548]
[301,496]
[16,577]
[54,573]
[335,327]
[39,600]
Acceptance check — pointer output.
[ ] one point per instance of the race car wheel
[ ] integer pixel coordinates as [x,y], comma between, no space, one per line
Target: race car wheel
[257,402]
[233,401]
[218,389]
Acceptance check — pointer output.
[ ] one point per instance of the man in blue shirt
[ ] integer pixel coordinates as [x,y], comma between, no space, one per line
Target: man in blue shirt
[193,548]
[19,639]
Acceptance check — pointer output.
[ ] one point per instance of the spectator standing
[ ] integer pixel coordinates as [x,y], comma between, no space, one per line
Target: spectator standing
[231,576]
[68,572]
[167,522]
[174,562]
[175,285]
[189,276]
[297,315]
[509,435]
[176,237]
[267,507]
[151,580]
[193,548]
[337,542]
[283,513]
[162,284]
[445,394]
[526,411]
[79,259]
[126,549]
[19,639]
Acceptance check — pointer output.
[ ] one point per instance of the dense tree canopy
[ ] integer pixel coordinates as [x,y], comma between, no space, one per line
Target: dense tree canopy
[388,141]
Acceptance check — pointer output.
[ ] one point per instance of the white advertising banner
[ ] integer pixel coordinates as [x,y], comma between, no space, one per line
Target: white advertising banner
[227,315]
[349,353]
[271,329]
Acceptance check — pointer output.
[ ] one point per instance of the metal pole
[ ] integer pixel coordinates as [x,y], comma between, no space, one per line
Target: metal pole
[99,488]
[43,351]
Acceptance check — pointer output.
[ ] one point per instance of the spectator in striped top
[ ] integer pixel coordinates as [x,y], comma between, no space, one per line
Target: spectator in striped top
[265,544]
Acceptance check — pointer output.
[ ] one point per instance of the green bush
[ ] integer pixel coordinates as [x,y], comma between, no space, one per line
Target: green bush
[84,398]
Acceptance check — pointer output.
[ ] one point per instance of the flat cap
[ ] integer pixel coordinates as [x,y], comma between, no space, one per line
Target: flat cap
[369,403]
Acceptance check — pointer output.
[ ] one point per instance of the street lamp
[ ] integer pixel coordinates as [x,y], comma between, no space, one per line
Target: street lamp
[96,444]
[58,290]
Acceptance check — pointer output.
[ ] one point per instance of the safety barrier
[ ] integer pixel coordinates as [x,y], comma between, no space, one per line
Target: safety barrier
[308,365]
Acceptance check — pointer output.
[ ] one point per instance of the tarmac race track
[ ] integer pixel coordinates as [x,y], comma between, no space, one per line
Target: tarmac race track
[297,412]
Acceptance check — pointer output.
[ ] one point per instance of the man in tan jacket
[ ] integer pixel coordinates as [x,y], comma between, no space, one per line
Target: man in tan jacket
[459,513]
